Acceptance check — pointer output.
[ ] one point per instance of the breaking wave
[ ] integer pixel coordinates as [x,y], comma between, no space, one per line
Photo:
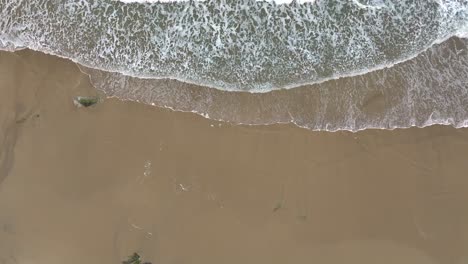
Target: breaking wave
[354,64]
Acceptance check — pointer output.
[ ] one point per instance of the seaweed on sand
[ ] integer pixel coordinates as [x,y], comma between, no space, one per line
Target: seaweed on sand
[134,259]
[86,101]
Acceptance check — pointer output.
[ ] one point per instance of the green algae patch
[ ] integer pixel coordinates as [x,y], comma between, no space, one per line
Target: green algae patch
[134,259]
[82,101]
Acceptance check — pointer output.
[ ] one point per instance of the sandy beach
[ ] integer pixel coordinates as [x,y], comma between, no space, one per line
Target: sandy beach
[94,185]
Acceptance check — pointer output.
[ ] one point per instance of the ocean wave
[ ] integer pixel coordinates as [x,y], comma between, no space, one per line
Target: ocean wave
[429,89]
[169,1]
[354,64]
[235,45]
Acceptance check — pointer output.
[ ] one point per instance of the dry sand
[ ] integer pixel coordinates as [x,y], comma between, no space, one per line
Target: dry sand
[93,185]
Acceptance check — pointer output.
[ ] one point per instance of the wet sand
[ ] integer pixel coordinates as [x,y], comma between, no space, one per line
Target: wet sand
[94,185]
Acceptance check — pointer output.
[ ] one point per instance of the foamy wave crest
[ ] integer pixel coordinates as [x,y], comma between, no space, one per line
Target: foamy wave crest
[429,89]
[168,1]
[236,45]
[361,63]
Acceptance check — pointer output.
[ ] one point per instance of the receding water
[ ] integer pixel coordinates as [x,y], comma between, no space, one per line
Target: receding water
[358,64]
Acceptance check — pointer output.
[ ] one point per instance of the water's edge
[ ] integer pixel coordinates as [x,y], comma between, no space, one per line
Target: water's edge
[354,65]
[241,105]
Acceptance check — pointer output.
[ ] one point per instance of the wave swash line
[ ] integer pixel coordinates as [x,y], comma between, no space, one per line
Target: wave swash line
[256,47]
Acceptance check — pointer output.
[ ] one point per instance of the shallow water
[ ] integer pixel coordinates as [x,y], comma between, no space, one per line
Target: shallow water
[359,64]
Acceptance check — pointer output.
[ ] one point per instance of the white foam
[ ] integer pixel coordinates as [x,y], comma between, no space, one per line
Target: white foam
[171,1]
[195,44]
[255,47]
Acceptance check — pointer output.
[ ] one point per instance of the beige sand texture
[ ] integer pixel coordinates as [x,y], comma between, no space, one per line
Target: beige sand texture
[93,185]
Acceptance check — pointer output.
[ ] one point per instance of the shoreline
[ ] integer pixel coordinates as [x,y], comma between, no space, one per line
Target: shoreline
[96,184]
[374,106]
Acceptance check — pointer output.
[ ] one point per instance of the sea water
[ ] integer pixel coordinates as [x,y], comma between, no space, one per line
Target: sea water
[353,64]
